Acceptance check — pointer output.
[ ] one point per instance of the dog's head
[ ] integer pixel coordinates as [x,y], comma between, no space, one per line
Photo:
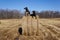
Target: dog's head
[25,8]
[33,12]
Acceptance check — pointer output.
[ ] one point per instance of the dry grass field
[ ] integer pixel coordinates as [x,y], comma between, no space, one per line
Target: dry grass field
[43,29]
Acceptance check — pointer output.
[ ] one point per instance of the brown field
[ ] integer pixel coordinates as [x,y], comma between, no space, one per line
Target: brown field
[45,29]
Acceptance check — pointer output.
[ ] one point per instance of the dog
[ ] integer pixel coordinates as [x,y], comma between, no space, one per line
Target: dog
[27,12]
[33,14]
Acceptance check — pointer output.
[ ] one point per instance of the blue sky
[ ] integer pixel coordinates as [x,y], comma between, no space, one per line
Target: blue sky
[38,5]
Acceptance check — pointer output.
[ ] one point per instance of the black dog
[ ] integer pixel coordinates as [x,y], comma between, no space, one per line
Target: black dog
[27,11]
[20,31]
[33,14]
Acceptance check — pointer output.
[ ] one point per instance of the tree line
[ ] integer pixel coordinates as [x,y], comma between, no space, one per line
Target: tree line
[10,14]
[49,14]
